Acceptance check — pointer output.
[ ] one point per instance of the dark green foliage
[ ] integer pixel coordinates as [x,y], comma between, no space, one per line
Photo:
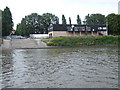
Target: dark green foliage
[83,41]
[36,24]
[29,25]
[69,20]
[95,19]
[78,20]
[7,23]
[118,25]
[63,20]
[47,19]
[113,21]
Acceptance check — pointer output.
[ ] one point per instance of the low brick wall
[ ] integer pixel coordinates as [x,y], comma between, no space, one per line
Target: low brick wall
[82,33]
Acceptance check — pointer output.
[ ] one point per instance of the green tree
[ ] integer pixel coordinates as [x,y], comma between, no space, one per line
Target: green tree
[22,28]
[95,19]
[63,20]
[31,24]
[69,20]
[7,23]
[118,24]
[36,24]
[78,20]
[113,21]
[47,19]
[87,19]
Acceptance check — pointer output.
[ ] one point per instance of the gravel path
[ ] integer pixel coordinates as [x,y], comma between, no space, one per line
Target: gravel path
[23,43]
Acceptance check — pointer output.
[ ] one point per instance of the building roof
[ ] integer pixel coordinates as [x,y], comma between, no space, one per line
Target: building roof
[76,27]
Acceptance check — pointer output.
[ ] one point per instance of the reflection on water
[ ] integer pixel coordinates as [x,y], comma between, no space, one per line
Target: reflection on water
[85,67]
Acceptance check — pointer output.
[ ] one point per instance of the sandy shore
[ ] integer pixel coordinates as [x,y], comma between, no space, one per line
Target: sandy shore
[23,43]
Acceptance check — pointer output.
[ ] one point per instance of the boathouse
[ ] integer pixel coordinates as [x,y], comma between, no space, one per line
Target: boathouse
[56,30]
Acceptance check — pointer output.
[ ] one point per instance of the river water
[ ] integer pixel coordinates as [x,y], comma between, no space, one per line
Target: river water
[83,67]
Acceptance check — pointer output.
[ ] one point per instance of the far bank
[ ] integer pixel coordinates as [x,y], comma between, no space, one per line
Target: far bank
[83,41]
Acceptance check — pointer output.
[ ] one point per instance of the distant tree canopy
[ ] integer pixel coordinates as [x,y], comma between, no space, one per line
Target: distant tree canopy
[95,19]
[113,21]
[7,23]
[29,24]
[36,24]
[69,20]
[63,20]
[47,19]
[78,20]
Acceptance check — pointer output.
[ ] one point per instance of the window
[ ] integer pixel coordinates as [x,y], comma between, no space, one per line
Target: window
[76,28]
[100,28]
[104,28]
[82,28]
[69,28]
[88,28]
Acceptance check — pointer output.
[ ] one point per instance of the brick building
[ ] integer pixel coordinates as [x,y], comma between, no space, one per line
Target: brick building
[56,30]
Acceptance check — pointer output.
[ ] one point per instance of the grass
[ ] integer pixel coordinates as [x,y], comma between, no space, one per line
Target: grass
[83,41]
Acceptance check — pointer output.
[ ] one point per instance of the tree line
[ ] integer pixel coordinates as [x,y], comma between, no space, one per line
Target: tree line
[7,22]
[38,24]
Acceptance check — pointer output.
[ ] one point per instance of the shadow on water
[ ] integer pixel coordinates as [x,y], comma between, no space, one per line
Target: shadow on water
[85,67]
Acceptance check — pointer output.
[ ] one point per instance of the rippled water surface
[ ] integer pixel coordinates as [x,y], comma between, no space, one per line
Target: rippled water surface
[85,67]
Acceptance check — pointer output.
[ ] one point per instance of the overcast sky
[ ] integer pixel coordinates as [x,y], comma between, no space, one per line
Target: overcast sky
[70,8]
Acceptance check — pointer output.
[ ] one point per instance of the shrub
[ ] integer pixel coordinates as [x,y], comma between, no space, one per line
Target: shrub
[85,40]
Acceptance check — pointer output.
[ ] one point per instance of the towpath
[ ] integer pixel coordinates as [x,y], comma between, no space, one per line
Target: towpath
[23,43]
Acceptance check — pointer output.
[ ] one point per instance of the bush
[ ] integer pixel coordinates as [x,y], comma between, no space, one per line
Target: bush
[80,41]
